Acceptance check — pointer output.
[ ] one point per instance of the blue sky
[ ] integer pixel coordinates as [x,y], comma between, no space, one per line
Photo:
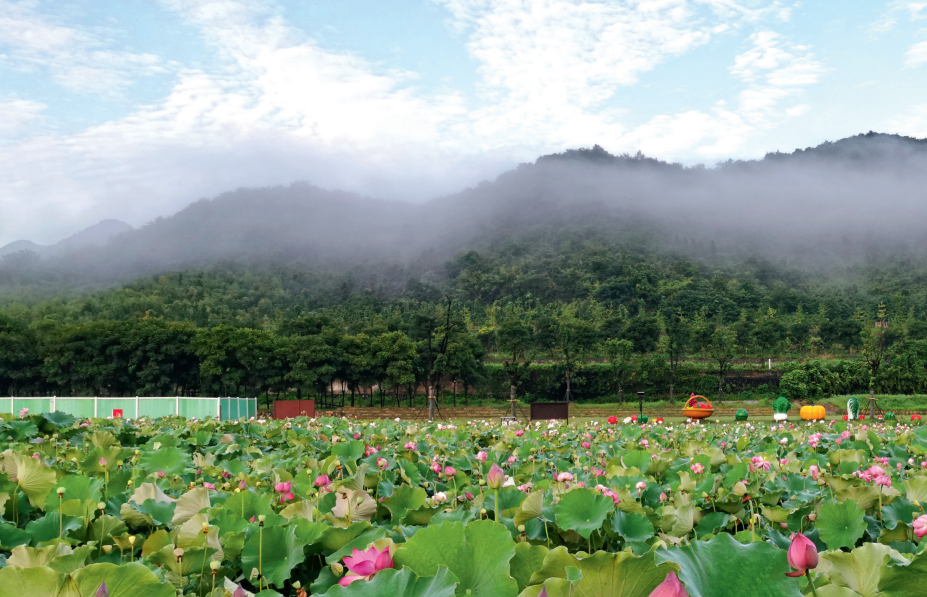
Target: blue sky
[134,108]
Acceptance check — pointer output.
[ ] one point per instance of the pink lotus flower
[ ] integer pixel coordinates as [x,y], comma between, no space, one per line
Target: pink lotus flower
[436,468]
[209,486]
[495,477]
[671,587]
[363,565]
[519,433]
[920,526]
[814,471]
[410,446]
[802,555]
[382,463]
[357,436]
[284,489]
[322,481]
[450,471]
[698,468]
[482,456]
[160,474]
[23,413]
[586,445]
[103,461]
[565,477]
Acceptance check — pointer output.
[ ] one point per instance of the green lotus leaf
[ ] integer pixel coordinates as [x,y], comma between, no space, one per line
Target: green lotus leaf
[861,569]
[35,557]
[110,455]
[916,488]
[190,504]
[905,580]
[840,524]
[723,567]
[35,480]
[46,528]
[361,542]
[275,552]
[248,504]
[87,490]
[72,562]
[169,460]
[127,580]
[583,511]
[899,511]
[528,560]
[478,554]
[405,498]
[348,451]
[20,430]
[34,582]
[59,419]
[530,509]
[632,526]
[712,522]
[390,583]
[11,537]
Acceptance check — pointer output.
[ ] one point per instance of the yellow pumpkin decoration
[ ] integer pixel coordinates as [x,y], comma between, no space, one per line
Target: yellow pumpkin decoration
[815,412]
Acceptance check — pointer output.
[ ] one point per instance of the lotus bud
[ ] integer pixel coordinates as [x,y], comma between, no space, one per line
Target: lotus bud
[337,569]
[495,478]
[102,591]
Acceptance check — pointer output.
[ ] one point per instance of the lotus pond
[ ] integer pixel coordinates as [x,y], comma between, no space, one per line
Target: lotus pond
[340,508]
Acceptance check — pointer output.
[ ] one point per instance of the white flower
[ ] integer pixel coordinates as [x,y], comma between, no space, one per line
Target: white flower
[440,497]
[627,420]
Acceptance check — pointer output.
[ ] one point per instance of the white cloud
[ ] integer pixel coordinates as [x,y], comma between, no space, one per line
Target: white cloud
[915,9]
[917,54]
[282,108]
[16,113]
[913,124]
[74,58]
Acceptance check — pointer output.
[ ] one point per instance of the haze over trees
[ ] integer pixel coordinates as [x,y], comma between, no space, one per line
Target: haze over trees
[584,273]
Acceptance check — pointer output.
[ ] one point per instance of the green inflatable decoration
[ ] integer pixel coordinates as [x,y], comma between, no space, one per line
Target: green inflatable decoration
[852,409]
[781,409]
[889,416]
[741,414]
[643,418]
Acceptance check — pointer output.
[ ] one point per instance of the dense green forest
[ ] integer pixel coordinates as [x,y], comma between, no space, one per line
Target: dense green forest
[606,314]
[584,273]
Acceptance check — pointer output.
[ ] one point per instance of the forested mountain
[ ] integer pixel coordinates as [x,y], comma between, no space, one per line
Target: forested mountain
[609,271]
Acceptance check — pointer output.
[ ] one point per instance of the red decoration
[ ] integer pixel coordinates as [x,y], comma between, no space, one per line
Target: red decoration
[612,420]
[117,413]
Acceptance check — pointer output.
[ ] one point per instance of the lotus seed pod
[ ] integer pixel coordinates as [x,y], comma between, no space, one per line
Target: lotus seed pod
[131,539]
[262,518]
[101,506]
[521,528]
[215,565]
[60,491]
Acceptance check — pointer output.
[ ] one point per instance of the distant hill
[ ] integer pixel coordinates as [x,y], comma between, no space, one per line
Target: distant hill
[844,200]
[97,235]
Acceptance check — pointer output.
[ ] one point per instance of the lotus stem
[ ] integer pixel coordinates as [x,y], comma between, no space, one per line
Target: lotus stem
[496,504]
[260,556]
[811,583]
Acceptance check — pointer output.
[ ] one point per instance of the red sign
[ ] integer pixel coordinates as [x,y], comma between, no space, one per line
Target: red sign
[117,413]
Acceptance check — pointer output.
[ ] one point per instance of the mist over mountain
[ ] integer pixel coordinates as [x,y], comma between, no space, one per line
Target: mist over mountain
[97,235]
[862,197]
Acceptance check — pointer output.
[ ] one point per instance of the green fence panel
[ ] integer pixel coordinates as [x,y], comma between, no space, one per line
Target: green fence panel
[201,408]
[76,407]
[157,407]
[35,405]
[106,406]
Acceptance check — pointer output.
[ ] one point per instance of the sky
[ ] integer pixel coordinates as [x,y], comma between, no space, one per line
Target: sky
[132,109]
